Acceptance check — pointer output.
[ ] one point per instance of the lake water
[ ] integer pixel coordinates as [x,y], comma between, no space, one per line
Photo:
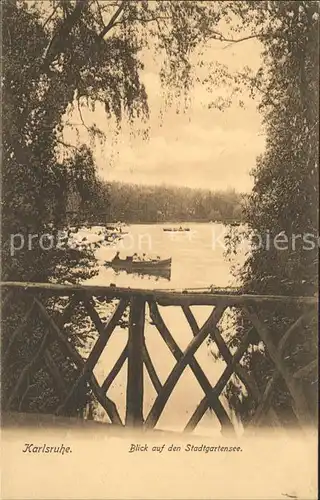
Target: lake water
[197,256]
[197,262]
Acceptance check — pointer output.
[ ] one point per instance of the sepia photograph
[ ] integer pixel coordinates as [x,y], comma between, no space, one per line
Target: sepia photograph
[159,249]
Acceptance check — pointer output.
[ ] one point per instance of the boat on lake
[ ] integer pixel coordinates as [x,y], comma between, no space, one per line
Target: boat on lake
[129,262]
[176,229]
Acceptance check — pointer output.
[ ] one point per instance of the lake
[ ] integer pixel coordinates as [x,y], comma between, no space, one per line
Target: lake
[197,262]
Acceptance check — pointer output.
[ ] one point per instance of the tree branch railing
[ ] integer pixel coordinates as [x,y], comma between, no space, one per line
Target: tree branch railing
[138,303]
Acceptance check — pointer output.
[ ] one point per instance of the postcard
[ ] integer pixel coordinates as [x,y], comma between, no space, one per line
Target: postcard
[159,269]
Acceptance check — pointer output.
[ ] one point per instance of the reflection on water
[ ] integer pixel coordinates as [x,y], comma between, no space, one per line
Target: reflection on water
[197,262]
[197,256]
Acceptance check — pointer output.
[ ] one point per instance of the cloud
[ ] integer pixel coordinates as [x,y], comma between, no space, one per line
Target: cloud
[201,147]
[199,157]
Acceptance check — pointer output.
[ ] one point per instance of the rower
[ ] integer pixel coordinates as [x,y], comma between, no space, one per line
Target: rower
[117,256]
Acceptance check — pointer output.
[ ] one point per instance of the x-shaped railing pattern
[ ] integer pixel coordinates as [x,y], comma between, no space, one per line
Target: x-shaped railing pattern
[137,354]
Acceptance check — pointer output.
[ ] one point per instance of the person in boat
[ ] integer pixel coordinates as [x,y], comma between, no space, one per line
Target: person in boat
[135,256]
[145,258]
[116,257]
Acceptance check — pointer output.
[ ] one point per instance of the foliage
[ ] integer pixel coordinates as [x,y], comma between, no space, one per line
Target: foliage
[64,55]
[285,197]
[60,56]
[137,203]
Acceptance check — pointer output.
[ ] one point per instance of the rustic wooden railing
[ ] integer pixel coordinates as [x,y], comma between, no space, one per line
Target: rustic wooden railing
[138,356]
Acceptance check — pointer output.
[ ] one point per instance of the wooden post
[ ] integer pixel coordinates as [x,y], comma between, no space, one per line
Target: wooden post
[134,410]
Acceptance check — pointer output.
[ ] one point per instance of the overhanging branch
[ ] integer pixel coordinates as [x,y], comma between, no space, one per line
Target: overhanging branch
[113,20]
[63,31]
[216,35]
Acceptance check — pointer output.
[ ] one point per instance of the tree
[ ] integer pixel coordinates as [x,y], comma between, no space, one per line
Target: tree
[134,203]
[285,197]
[60,56]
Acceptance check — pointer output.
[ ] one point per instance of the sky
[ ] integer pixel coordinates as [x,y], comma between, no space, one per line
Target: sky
[203,147]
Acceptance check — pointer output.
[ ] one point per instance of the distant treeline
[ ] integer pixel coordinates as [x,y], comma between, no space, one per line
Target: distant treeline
[133,203]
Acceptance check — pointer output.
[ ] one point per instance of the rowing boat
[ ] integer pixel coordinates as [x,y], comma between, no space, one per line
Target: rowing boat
[158,268]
